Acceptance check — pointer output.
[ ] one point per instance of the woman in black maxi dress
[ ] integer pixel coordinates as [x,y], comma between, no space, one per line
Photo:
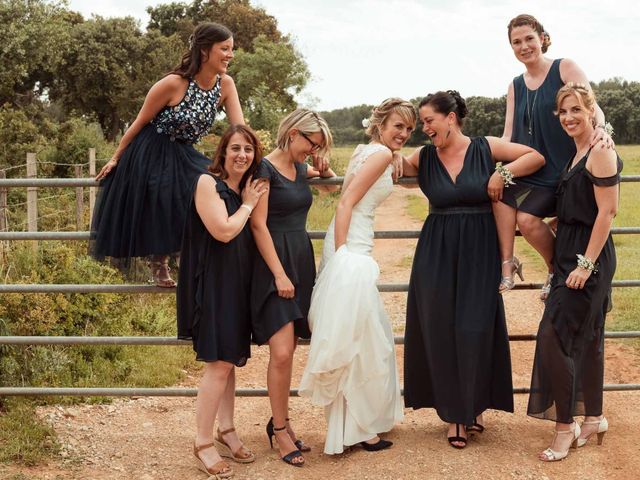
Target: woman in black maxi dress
[568,366]
[456,344]
[285,270]
[218,253]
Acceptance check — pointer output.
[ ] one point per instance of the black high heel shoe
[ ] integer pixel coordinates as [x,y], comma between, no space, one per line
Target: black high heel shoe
[375,447]
[457,438]
[303,447]
[289,457]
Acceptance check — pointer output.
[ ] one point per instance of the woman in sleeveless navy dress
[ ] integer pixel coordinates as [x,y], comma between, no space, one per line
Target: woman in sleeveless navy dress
[456,356]
[530,120]
[218,253]
[148,182]
[569,360]
[285,270]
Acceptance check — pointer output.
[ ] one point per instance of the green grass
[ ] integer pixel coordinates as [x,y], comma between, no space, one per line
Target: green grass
[24,439]
[626,310]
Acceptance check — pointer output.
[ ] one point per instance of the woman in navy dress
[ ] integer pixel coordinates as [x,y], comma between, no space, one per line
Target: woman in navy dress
[148,182]
[456,356]
[530,120]
[568,366]
[285,270]
[218,254]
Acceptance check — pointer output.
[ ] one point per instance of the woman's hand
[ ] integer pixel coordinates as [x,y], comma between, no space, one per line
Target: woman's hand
[284,286]
[495,187]
[320,163]
[577,278]
[253,190]
[397,163]
[600,135]
[110,165]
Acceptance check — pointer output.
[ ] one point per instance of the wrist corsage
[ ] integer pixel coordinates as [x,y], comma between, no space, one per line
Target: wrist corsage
[587,263]
[506,174]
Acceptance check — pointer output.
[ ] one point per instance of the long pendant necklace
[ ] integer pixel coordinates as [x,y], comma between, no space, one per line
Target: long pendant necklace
[531,109]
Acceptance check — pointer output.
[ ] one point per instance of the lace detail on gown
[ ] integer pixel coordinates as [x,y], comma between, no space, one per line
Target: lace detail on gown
[351,368]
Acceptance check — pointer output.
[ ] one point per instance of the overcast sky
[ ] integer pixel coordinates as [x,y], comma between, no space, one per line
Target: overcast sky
[363,51]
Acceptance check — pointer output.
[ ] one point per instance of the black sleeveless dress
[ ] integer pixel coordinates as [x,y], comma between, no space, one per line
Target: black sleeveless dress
[289,203]
[535,125]
[141,205]
[568,368]
[456,356]
[214,289]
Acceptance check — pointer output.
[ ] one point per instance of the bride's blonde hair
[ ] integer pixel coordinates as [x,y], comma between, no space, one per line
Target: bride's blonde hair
[379,115]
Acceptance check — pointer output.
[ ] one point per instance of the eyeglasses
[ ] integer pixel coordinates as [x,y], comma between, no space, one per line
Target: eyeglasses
[314,146]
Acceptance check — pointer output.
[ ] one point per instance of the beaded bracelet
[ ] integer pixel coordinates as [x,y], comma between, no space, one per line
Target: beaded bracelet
[586,263]
[506,174]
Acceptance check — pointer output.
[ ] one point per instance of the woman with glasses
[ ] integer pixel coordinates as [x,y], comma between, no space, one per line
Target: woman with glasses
[285,271]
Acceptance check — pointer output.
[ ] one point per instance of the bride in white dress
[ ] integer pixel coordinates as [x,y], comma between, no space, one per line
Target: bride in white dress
[351,369]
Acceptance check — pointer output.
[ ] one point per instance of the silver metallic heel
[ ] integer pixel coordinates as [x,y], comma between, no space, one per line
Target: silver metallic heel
[507,282]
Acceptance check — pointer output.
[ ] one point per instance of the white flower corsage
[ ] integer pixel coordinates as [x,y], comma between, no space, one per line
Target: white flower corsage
[366,122]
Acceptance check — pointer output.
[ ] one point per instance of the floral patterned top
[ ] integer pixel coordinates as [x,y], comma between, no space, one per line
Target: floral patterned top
[191,119]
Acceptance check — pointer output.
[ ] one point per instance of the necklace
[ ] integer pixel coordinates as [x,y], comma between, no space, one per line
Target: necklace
[530,109]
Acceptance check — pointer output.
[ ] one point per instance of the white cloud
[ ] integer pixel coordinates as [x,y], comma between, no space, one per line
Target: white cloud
[362,51]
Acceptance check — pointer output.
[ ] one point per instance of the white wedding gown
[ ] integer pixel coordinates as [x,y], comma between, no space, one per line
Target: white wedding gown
[351,369]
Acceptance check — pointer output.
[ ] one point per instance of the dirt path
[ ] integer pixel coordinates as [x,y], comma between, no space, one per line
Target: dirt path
[150,438]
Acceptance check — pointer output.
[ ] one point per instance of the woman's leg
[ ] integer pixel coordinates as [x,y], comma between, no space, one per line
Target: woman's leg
[538,234]
[225,414]
[505,217]
[281,348]
[211,390]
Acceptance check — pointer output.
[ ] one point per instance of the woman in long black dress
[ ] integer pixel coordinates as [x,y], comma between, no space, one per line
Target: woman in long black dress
[285,272]
[456,356]
[218,253]
[568,366]
[141,205]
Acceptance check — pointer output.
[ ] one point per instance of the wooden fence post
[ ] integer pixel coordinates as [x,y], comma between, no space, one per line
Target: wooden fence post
[3,204]
[3,216]
[79,200]
[32,198]
[92,190]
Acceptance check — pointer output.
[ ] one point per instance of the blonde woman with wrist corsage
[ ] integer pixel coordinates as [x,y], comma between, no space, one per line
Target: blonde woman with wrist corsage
[568,366]
[218,254]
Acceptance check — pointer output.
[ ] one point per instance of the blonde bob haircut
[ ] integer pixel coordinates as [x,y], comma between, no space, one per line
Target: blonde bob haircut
[307,122]
[379,115]
[582,93]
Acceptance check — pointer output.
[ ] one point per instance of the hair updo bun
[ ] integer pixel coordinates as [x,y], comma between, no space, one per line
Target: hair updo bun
[447,102]
[461,105]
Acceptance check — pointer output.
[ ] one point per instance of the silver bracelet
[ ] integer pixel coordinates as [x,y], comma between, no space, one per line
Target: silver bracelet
[506,174]
[586,263]
[247,207]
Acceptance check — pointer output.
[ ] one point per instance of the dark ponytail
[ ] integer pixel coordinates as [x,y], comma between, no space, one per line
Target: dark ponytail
[201,40]
[447,102]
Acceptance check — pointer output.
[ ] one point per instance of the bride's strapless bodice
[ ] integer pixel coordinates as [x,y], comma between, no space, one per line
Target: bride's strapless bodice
[360,235]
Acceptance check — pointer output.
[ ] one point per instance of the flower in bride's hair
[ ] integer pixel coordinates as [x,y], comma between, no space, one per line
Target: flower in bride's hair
[366,122]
